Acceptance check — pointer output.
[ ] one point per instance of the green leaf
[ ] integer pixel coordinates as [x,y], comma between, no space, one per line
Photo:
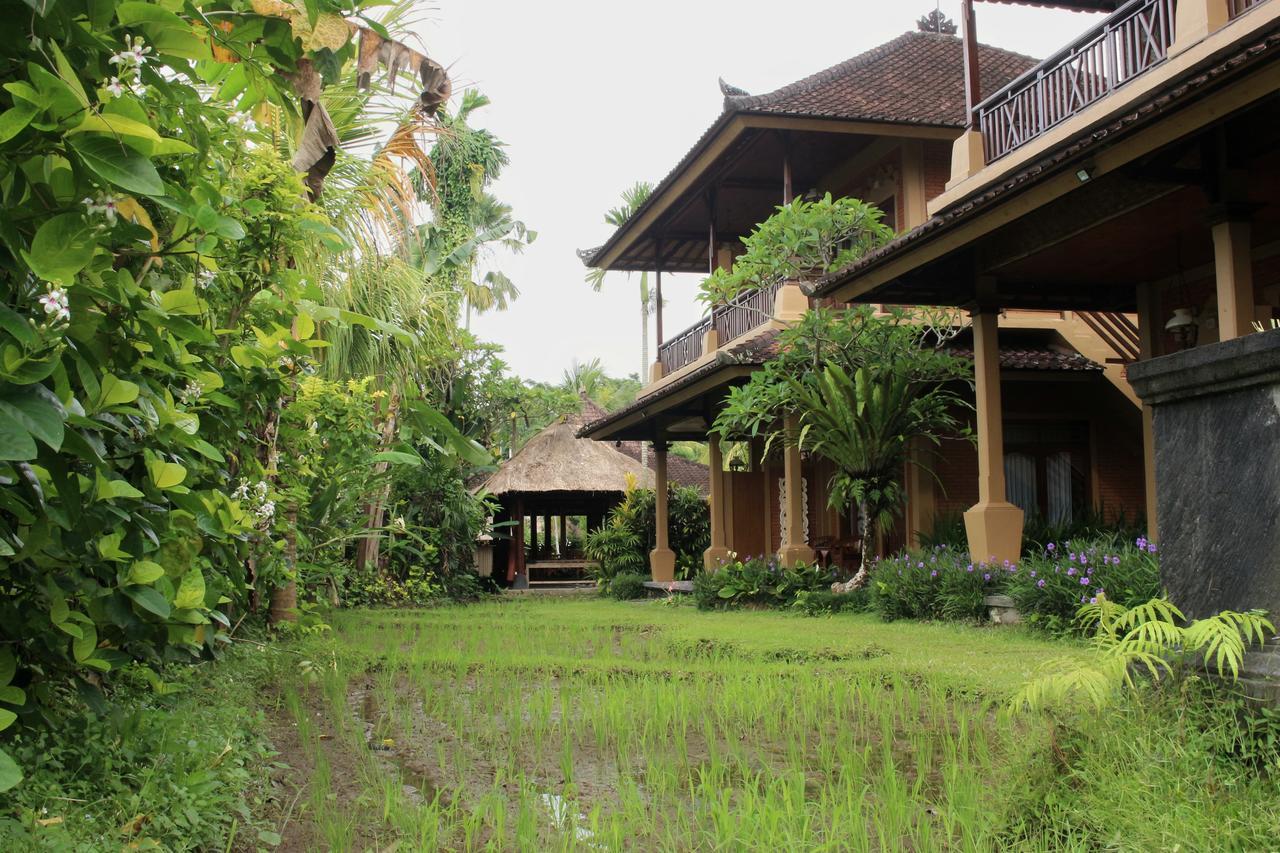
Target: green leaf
[10,772]
[38,410]
[116,392]
[110,489]
[15,119]
[191,590]
[42,8]
[68,74]
[396,457]
[109,545]
[6,719]
[145,572]
[118,164]
[13,695]
[166,475]
[8,665]
[15,441]
[85,645]
[62,247]
[149,599]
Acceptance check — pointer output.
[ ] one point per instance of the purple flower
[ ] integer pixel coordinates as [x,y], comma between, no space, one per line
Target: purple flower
[1084,581]
[1051,547]
[1082,598]
[970,567]
[1071,571]
[933,574]
[1040,583]
[1151,547]
[986,577]
[919,565]
[1141,541]
[1071,557]
[1093,600]
[1033,573]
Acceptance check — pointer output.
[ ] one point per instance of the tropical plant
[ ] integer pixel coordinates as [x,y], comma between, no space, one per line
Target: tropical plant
[799,243]
[758,581]
[1154,638]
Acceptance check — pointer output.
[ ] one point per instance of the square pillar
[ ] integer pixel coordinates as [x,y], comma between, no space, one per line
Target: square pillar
[1233,269]
[921,499]
[993,525]
[1195,19]
[662,560]
[719,550]
[1148,334]
[794,547]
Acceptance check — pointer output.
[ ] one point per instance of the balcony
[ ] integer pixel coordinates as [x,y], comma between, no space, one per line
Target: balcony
[1132,40]
[749,311]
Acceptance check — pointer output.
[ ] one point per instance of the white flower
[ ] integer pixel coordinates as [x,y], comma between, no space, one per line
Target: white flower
[398,523]
[115,87]
[267,511]
[134,53]
[55,304]
[242,491]
[191,393]
[105,205]
[261,489]
[138,89]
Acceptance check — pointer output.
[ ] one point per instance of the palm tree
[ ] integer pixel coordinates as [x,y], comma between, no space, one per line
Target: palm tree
[632,198]
[584,378]
[863,424]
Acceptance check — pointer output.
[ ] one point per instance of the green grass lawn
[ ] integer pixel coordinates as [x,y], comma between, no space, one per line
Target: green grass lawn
[581,723]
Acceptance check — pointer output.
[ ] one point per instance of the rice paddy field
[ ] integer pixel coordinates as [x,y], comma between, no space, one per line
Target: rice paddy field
[574,723]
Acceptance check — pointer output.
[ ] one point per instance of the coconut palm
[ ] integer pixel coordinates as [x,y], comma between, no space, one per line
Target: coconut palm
[632,198]
[584,378]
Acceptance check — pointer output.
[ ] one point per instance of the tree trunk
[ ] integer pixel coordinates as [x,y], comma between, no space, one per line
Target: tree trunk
[864,518]
[367,550]
[284,599]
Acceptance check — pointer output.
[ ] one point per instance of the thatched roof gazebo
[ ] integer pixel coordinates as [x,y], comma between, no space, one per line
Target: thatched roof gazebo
[553,487]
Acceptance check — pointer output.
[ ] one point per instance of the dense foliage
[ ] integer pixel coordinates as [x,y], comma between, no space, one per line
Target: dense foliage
[1048,587]
[760,582]
[623,542]
[210,372]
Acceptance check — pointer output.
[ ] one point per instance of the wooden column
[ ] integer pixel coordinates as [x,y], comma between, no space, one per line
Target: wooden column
[719,550]
[662,560]
[794,548]
[519,577]
[1233,268]
[968,154]
[993,525]
[1148,336]
[921,499]
[564,535]
[787,192]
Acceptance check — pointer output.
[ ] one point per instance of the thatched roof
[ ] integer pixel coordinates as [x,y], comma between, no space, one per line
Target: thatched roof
[556,460]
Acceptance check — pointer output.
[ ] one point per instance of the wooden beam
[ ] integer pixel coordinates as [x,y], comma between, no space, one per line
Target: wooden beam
[972,73]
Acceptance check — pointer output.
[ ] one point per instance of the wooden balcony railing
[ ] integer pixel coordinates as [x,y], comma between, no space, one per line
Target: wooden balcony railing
[1132,40]
[1239,7]
[1116,331]
[747,312]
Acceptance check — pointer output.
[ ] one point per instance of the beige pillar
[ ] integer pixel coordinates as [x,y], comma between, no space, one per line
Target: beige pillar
[794,548]
[993,525]
[1233,267]
[719,550]
[1148,330]
[790,304]
[1195,19]
[662,560]
[921,503]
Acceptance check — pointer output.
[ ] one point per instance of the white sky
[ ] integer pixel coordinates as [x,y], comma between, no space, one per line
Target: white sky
[593,96]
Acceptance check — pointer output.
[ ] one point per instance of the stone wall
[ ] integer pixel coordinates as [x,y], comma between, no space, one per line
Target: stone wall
[1217,440]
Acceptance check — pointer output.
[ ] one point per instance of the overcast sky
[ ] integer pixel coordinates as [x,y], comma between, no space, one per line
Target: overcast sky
[592,96]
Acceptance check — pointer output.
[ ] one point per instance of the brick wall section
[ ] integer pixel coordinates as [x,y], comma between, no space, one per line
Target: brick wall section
[937,167]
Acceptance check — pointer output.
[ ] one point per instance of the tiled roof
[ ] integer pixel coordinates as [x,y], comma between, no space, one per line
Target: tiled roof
[1191,86]
[918,78]
[1037,358]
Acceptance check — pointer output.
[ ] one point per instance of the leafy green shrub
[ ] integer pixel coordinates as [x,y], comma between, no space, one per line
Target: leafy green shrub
[628,586]
[936,584]
[824,602]
[623,543]
[1037,532]
[757,581]
[1050,586]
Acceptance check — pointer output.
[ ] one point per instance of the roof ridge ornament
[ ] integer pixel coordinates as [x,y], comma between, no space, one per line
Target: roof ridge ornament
[731,92]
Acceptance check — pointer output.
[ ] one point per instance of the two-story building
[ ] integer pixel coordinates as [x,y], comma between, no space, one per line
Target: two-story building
[1134,170]
[889,126]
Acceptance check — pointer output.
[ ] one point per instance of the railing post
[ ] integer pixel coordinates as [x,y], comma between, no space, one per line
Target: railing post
[1195,19]
[968,154]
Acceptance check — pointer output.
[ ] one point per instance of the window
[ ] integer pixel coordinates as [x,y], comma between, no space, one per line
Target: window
[1046,469]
